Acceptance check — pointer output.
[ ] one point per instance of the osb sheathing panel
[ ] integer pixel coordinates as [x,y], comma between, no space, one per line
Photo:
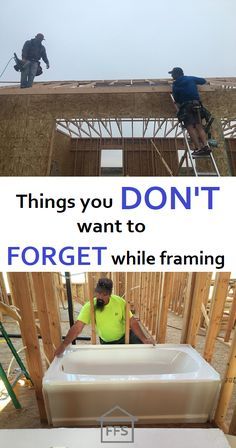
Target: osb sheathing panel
[149,104]
[231,150]
[27,121]
[25,136]
[220,153]
[62,157]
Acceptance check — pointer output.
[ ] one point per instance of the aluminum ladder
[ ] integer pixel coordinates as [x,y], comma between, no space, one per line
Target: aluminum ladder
[192,159]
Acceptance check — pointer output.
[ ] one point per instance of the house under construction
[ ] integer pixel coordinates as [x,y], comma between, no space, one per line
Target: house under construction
[109,128]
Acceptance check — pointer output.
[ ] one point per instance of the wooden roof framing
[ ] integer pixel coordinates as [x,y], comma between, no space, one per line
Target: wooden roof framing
[229,127]
[131,127]
[161,85]
[120,127]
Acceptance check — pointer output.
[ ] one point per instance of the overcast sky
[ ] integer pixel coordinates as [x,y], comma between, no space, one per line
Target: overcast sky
[123,39]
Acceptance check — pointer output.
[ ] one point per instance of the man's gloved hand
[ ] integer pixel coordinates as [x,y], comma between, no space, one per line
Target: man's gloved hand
[47,66]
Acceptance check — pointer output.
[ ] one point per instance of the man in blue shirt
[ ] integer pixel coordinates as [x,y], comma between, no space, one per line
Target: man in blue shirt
[186,96]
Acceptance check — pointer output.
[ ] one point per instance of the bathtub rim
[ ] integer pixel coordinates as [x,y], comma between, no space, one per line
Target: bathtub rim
[55,375]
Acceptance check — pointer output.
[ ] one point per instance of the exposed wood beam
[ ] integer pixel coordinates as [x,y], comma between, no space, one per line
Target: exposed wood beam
[106,128]
[21,291]
[218,302]
[119,126]
[160,124]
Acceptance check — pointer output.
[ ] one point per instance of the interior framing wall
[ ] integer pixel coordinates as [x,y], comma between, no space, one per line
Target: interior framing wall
[140,157]
[81,157]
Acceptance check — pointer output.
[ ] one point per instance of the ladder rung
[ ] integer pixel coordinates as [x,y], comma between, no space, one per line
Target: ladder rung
[207,174]
[207,156]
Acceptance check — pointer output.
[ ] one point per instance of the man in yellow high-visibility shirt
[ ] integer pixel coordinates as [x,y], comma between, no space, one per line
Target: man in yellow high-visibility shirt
[109,317]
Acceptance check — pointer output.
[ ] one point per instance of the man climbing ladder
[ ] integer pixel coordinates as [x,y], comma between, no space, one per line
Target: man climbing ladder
[190,109]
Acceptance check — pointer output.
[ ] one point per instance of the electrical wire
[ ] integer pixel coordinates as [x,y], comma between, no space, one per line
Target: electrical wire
[6,67]
[12,359]
[3,394]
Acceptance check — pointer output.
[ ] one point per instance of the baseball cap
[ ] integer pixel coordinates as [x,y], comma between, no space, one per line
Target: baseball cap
[40,36]
[176,71]
[104,285]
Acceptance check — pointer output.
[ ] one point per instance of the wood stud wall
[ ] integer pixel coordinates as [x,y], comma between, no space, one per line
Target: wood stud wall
[201,302]
[81,157]
[22,297]
[139,156]
[3,291]
[217,309]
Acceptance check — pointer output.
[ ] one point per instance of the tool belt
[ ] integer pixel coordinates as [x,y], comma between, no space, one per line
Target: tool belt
[39,69]
[196,107]
[186,107]
[19,66]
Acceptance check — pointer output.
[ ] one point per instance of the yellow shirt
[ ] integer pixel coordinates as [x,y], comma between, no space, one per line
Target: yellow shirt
[110,322]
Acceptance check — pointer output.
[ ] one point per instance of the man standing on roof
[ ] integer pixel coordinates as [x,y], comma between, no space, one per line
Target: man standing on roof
[109,317]
[186,96]
[32,52]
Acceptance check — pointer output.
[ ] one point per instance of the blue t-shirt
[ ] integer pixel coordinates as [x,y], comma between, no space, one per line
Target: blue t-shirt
[185,88]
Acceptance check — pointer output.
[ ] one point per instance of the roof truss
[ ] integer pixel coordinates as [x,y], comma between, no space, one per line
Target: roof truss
[131,128]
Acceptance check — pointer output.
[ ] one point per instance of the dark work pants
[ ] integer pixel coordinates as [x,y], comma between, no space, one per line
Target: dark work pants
[133,339]
[28,73]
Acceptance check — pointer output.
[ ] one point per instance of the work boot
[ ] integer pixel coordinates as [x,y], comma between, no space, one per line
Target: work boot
[206,151]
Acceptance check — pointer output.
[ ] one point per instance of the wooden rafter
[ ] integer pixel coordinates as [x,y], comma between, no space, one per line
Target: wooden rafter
[160,124]
[91,126]
[104,124]
[66,127]
[145,125]
[119,126]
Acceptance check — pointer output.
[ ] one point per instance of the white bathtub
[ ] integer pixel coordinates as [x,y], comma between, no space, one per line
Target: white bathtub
[162,384]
